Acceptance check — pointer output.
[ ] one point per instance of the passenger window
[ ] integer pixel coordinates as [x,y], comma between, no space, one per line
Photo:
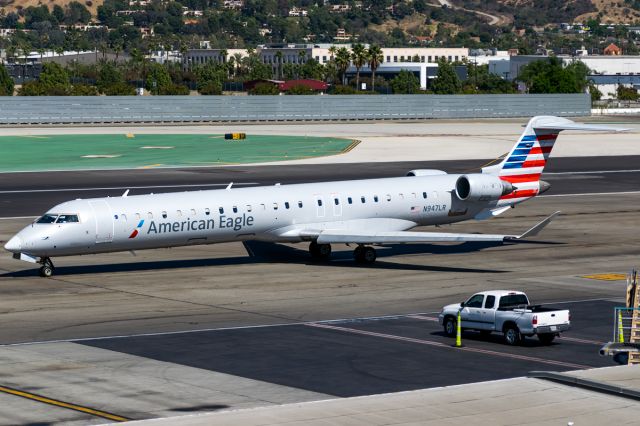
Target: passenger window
[350,200]
[286,205]
[137,216]
[221,210]
[375,198]
[249,207]
[319,203]
[235,209]
[179,213]
[275,206]
[207,212]
[72,218]
[64,219]
[388,197]
[49,218]
[362,200]
[336,201]
[413,194]
[164,215]
[264,207]
[300,204]
[490,302]
[424,195]
[149,215]
[475,301]
[401,196]
[193,212]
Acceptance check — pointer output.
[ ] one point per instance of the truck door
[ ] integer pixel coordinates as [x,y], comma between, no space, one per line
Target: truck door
[488,313]
[472,312]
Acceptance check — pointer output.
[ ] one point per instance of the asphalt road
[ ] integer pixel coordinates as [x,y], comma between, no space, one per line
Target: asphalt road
[30,194]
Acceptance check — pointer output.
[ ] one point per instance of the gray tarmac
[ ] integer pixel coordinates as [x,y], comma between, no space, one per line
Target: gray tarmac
[212,328]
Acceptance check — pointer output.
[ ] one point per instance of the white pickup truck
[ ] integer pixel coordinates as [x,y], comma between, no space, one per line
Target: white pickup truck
[508,312]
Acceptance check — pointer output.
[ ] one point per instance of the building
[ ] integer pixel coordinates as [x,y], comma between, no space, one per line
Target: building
[612,50]
[608,84]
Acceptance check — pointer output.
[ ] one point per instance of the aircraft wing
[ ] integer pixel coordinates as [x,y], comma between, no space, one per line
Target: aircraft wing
[400,237]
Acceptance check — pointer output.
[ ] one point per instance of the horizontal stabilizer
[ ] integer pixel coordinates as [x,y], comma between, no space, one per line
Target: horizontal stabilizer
[401,237]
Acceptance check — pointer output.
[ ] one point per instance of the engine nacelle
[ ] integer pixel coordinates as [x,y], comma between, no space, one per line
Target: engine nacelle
[426,172]
[481,187]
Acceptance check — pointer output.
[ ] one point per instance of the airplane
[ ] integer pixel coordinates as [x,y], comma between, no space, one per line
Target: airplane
[364,212]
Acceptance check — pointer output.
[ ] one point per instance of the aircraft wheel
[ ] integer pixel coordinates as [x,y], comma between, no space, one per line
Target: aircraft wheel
[320,251]
[358,254]
[369,254]
[46,270]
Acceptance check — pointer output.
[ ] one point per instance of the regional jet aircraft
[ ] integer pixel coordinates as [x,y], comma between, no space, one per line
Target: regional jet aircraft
[360,212]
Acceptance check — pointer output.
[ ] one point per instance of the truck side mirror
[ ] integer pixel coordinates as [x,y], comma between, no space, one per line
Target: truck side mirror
[462,304]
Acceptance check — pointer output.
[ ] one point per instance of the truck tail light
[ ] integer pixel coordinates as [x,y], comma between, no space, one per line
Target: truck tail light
[534,321]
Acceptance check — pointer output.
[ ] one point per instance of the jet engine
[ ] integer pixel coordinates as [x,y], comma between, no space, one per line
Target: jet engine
[481,187]
[426,172]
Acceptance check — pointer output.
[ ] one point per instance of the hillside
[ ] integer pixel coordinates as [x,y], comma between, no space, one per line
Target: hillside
[16,5]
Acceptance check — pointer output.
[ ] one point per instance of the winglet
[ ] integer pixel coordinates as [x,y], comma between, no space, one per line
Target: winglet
[537,228]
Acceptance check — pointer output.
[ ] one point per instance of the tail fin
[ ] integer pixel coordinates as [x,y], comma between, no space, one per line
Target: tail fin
[526,160]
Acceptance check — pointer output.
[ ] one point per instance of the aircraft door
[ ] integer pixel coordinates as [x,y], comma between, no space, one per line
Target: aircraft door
[320,206]
[104,221]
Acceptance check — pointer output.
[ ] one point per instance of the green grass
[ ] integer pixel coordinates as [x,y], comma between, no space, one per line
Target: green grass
[68,152]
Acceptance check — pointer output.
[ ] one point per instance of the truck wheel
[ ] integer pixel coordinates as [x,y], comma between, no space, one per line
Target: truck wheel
[621,358]
[546,339]
[450,326]
[512,335]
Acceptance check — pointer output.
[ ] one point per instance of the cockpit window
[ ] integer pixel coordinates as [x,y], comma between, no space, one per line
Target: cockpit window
[67,218]
[48,218]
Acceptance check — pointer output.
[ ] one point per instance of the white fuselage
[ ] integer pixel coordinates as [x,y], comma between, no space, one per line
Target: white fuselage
[269,213]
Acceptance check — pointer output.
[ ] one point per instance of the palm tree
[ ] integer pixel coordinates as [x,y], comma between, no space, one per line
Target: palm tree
[343,60]
[332,51]
[375,59]
[360,57]
[238,58]
[224,53]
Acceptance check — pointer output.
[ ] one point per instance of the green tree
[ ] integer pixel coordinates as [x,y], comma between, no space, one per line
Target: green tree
[264,89]
[108,75]
[210,78]
[447,81]
[375,59]
[6,82]
[549,76]
[405,83]
[626,93]
[54,80]
[343,60]
[300,89]
[360,57]
[158,79]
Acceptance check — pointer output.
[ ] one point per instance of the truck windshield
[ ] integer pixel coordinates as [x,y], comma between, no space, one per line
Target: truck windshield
[48,218]
[513,300]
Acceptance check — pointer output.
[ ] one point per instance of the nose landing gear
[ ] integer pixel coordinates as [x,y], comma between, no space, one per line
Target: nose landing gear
[46,270]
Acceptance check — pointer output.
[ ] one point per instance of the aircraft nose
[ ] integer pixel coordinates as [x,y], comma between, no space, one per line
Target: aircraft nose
[13,245]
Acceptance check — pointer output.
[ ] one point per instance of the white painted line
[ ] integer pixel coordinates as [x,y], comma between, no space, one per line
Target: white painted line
[445,346]
[592,172]
[588,194]
[18,217]
[245,327]
[124,187]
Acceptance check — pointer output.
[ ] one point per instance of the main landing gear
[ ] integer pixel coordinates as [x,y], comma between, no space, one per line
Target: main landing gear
[46,270]
[362,254]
